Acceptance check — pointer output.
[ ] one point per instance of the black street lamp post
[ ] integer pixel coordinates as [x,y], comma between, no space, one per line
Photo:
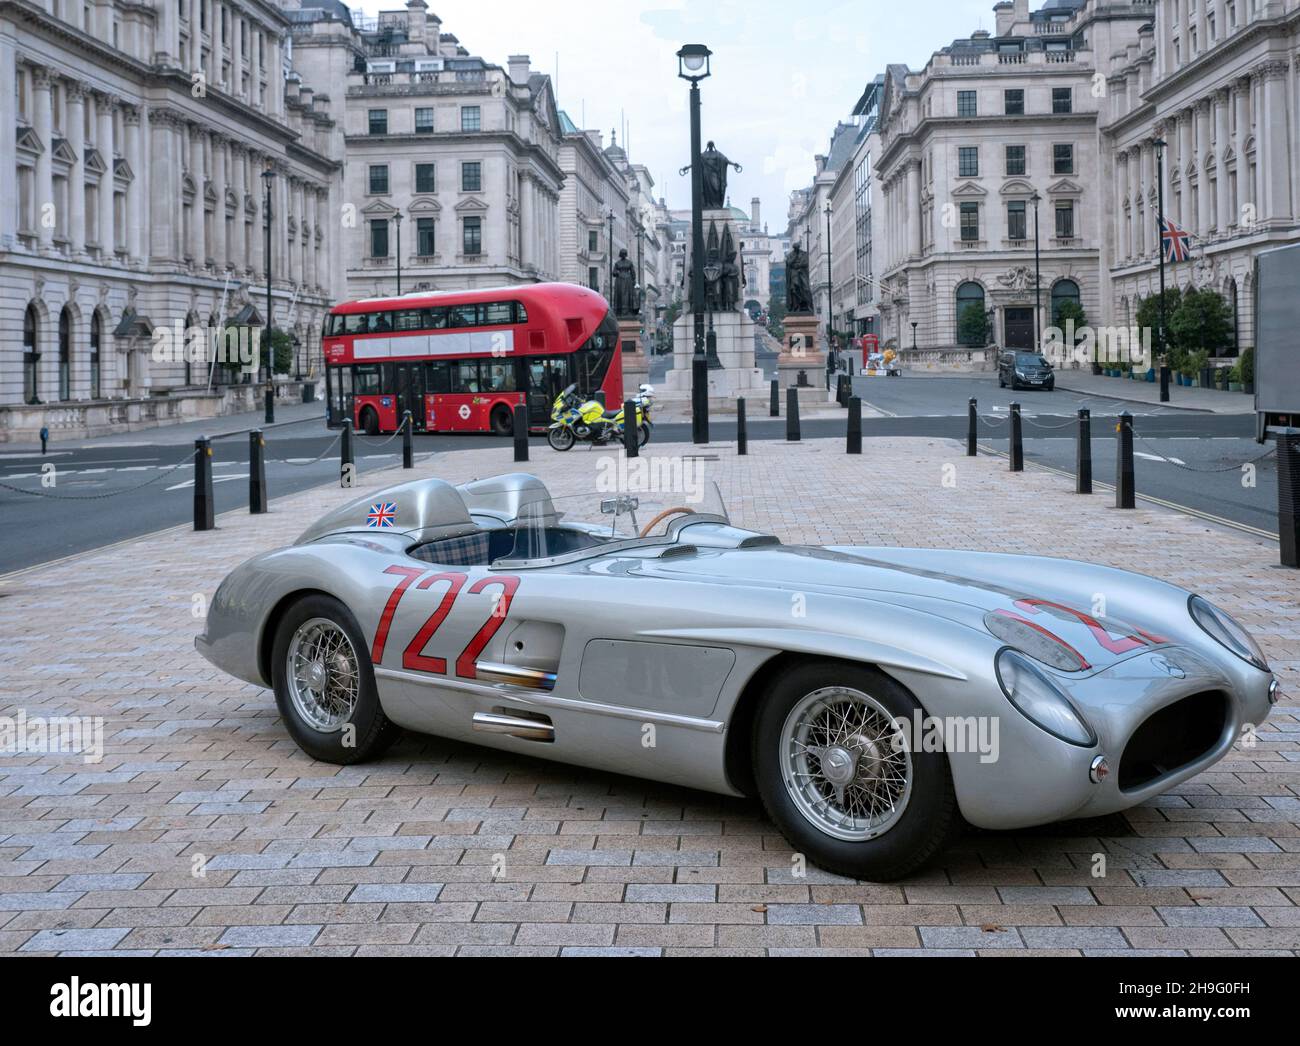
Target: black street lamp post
[828,276]
[693,65]
[397,222]
[1159,144]
[914,326]
[268,176]
[609,256]
[1038,286]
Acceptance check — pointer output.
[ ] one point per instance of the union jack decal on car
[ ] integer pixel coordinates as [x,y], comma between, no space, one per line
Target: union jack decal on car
[381,515]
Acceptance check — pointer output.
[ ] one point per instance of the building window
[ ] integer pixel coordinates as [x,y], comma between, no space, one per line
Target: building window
[471,118]
[1063,291]
[424,120]
[1062,159]
[1017,228]
[65,354]
[1062,100]
[95,335]
[1015,159]
[593,278]
[593,241]
[965,103]
[378,121]
[424,178]
[31,355]
[424,241]
[379,178]
[1014,100]
[970,222]
[472,240]
[471,176]
[1065,220]
[970,300]
[379,237]
[968,161]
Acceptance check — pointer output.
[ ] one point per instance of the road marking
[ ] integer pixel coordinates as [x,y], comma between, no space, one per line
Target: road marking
[215,479]
[1157,457]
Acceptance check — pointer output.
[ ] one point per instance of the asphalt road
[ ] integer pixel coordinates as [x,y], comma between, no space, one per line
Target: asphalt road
[106,491]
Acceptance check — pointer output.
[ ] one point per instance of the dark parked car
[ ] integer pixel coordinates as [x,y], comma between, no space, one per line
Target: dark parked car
[1027,369]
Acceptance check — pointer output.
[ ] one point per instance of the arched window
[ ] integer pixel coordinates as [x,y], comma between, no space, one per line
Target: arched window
[96,328]
[187,347]
[1063,291]
[65,353]
[31,355]
[1230,293]
[972,323]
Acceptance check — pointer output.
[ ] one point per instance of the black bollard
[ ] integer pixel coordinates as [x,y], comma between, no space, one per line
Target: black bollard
[631,437]
[521,432]
[742,436]
[1288,495]
[269,413]
[347,466]
[855,426]
[971,422]
[774,407]
[1017,445]
[792,414]
[1124,492]
[408,441]
[45,439]
[203,507]
[1083,454]
[256,472]
[699,399]
[1164,384]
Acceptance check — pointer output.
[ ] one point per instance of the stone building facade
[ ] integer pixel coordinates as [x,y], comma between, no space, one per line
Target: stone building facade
[137,137]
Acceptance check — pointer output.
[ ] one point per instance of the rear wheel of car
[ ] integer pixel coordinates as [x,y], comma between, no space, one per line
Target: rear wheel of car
[325,683]
[370,422]
[560,439]
[503,424]
[836,774]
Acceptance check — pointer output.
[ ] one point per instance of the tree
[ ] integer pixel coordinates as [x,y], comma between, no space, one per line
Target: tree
[281,344]
[973,325]
[1201,323]
[1066,310]
[776,317]
[1147,317]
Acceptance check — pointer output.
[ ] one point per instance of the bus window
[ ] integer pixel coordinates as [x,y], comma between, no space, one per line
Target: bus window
[437,376]
[354,323]
[435,319]
[365,380]
[409,320]
[498,312]
[498,377]
[380,322]
[465,376]
[463,316]
[521,314]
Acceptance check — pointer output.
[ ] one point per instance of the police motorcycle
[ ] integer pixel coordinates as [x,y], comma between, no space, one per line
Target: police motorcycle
[575,420]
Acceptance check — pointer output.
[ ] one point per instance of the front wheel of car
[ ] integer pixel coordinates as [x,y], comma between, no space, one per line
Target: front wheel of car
[836,773]
[325,683]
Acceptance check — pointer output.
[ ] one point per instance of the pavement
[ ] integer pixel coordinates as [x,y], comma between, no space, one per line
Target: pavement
[204,830]
[1181,397]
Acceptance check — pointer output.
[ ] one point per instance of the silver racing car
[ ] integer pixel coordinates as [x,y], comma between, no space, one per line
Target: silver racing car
[873,698]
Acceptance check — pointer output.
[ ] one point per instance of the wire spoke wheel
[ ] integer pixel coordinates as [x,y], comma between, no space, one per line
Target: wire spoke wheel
[323,674]
[845,763]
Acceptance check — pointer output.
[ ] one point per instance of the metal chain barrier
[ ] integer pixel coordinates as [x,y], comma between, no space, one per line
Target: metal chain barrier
[375,446]
[1071,423]
[1192,468]
[317,458]
[163,470]
[994,423]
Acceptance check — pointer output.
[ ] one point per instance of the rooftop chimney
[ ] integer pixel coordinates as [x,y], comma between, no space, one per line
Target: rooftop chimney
[518,68]
[754,212]
[1005,13]
[416,11]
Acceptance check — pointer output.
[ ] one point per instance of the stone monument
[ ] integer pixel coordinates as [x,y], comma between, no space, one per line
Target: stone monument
[801,363]
[626,304]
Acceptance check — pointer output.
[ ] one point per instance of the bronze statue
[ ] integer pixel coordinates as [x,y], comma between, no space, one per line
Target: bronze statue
[798,290]
[729,280]
[624,303]
[713,177]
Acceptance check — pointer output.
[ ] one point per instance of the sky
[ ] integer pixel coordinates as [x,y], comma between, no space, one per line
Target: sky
[783,72]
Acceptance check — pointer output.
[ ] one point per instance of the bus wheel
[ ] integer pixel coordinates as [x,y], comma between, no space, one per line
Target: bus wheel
[560,439]
[502,422]
[370,422]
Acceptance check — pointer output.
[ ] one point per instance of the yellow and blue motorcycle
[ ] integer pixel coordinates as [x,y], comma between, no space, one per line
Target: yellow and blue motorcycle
[574,420]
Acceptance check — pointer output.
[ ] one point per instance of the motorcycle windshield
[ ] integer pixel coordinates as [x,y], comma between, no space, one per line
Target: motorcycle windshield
[626,515]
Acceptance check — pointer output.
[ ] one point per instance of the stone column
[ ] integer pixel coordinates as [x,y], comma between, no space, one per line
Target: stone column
[1241,106]
[43,124]
[76,131]
[197,247]
[1222,202]
[913,217]
[238,244]
[135,191]
[195,62]
[313,203]
[1124,210]
[168,35]
[1202,153]
[164,184]
[236,54]
[219,245]
[105,105]
[8,144]
[256,230]
[1271,142]
[1134,195]
[1147,234]
[1185,154]
[526,224]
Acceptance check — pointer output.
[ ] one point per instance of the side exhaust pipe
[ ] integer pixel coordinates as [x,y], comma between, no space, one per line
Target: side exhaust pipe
[515,726]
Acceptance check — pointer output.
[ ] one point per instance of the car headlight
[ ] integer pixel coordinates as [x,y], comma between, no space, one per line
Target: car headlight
[1040,700]
[1220,627]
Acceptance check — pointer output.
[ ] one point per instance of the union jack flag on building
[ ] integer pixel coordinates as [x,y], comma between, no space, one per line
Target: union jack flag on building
[381,515]
[1174,241]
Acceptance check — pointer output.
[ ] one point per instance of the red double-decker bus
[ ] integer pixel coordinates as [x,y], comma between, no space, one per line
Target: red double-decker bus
[460,361]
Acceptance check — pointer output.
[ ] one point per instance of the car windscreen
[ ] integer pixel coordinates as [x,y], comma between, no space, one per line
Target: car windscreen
[1029,359]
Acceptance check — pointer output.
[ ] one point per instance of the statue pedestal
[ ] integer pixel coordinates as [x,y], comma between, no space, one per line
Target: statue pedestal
[636,365]
[734,333]
[799,353]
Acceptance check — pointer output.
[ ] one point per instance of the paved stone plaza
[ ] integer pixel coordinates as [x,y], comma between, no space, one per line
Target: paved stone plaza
[396,856]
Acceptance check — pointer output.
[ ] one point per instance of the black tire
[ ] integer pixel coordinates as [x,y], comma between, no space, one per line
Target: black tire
[643,434]
[372,731]
[560,439]
[370,422]
[503,422]
[926,825]
[1001,384]
[1051,386]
